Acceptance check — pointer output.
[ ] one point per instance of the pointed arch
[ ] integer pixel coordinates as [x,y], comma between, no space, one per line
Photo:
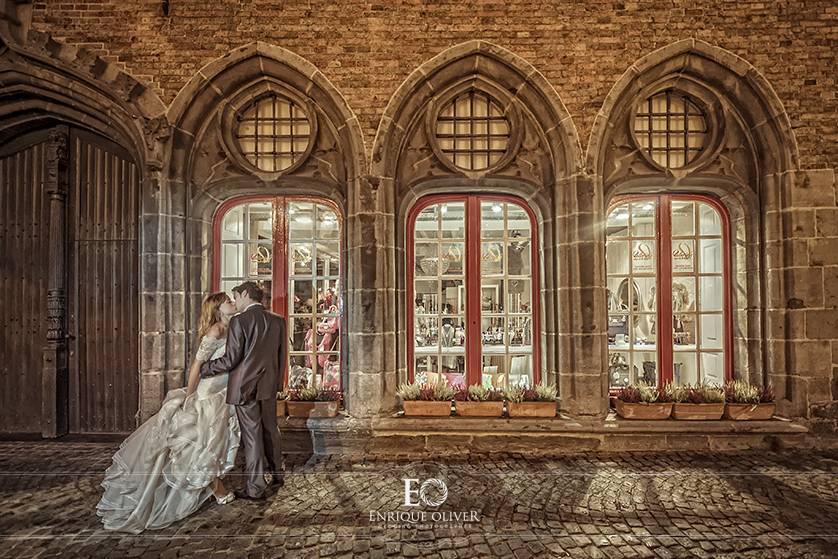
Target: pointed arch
[742,85]
[246,66]
[493,62]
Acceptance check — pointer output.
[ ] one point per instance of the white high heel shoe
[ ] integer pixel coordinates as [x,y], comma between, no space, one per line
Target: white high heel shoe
[226,499]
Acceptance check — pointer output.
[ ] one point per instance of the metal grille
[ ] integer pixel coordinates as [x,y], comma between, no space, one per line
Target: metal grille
[273,133]
[473,131]
[671,128]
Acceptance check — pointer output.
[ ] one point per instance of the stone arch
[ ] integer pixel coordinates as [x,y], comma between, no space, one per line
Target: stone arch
[404,166]
[745,170]
[738,81]
[201,172]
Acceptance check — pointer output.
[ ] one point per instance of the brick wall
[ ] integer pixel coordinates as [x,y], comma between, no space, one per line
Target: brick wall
[367,49]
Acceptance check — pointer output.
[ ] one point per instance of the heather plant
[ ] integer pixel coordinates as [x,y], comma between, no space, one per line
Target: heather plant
[539,393]
[480,393]
[638,393]
[698,394]
[329,395]
[742,392]
[307,394]
[282,395]
[766,394]
[409,390]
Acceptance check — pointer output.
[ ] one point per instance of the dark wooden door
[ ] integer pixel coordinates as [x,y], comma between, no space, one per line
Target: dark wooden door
[103,289]
[24,236]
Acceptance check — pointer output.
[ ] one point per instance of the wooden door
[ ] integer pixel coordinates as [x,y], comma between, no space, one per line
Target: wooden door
[103,293]
[24,232]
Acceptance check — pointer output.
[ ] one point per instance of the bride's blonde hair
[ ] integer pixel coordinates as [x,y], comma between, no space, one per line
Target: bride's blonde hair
[211,312]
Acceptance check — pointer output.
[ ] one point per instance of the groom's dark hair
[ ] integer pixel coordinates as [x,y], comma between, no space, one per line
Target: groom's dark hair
[251,289]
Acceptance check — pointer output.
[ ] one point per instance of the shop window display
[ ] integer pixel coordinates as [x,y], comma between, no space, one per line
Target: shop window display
[681,334]
[292,247]
[472,288]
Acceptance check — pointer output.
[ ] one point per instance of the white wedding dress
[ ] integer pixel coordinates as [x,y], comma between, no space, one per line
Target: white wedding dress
[162,472]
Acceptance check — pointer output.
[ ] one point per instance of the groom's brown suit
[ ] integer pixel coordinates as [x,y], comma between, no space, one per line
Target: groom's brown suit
[255,360]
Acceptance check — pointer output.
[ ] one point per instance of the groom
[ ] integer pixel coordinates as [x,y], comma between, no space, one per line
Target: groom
[255,360]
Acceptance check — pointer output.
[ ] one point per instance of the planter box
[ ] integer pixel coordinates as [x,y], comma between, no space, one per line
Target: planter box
[427,408]
[312,409]
[750,412]
[531,409]
[641,410]
[478,409]
[281,408]
[698,412]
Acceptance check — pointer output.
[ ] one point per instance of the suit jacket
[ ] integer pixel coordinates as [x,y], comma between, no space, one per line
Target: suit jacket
[254,356]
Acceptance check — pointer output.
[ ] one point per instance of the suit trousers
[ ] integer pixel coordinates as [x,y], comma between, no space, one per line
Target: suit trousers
[260,442]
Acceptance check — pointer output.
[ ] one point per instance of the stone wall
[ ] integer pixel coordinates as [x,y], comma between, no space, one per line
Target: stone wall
[368,48]
[588,58]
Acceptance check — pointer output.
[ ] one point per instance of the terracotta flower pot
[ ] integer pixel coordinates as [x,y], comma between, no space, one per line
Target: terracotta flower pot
[697,412]
[531,409]
[281,408]
[312,409]
[427,408]
[467,408]
[642,410]
[750,412]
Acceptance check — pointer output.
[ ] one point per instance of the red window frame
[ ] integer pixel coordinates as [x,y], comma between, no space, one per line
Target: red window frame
[279,273]
[663,232]
[473,317]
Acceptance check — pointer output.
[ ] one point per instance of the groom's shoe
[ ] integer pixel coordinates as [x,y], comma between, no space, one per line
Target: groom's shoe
[277,481]
[244,496]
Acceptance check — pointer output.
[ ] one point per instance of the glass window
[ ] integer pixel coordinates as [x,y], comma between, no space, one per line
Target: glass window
[692,266]
[473,131]
[474,310]
[273,133]
[671,128]
[306,258]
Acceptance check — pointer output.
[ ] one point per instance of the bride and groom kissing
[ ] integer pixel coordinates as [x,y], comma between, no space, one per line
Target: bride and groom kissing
[175,461]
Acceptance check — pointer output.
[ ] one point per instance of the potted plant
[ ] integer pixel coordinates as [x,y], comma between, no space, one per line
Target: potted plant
[478,401]
[539,401]
[432,399]
[313,402]
[281,398]
[699,402]
[746,401]
[642,401]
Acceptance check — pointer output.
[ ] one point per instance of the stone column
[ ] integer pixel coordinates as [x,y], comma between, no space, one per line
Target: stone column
[163,296]
[802,271]
[583,341]
[371,299]
[55,373]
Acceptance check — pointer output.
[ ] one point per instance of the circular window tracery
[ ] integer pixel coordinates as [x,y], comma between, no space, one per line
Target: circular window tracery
[273,133]
[472,131]
[671,128]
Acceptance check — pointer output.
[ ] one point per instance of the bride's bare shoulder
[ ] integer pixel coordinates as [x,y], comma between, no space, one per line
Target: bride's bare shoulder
[216,332]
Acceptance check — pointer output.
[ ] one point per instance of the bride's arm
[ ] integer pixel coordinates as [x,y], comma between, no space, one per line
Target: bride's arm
[194,377]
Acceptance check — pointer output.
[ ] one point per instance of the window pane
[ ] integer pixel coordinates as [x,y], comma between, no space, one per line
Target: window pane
[451,263]
[518,221]
[493,332]
[301,220]
[710,293]
[617,257]
[619,368]
[710,220]
[643,257]
[491,258]
[232,260]
[327,224]
[617,222]
[683,331]
[492,220]
[518,257]
[684,368]
[712,332]
[643,219]
[683,256]
[683,219]
[302,293]
[492,299]
[683,294]
[710,256]
[712,368]
[301,334]
[453,297]
[427,224]
[300,254]
[453,220]
[519,296]
[426,256]
[426,297]
[300,371]
[260,260]
[328,258]
[232,225]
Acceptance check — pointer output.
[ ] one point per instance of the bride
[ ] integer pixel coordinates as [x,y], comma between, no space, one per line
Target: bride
[174,462]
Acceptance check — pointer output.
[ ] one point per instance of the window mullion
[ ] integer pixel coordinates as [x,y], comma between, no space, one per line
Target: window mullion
[664,319]
[473,313]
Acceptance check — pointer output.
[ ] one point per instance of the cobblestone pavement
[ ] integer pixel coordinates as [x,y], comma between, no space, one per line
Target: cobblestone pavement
[629,505]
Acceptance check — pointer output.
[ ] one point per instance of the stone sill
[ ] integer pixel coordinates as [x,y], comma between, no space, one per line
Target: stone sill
[564,424]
